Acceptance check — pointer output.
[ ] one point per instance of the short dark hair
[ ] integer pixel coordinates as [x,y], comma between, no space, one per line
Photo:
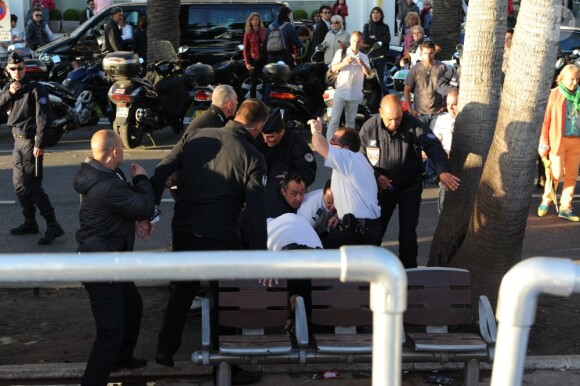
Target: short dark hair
[303,31]
[88,1]
[349,138]
[253,111]
[294,176]
[324,7]
[13,17]
[116,10]
[379,10]
[428,44]
[509,31]
[326,186]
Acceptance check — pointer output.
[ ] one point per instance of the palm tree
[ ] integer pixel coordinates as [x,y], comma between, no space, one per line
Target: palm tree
[163,25]
[446,26]
[493,241]
[478,106]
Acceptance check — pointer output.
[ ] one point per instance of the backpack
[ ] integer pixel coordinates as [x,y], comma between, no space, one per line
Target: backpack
[275,41]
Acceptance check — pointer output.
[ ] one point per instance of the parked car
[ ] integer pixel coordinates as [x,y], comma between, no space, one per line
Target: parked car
[211,30]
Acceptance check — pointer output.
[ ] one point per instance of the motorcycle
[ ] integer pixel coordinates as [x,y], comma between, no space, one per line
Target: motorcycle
[199,78]
[235,73]
[63,104]
[297,93]
[572,58]
[144,106]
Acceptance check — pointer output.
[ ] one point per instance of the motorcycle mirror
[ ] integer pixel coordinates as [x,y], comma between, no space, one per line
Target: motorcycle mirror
[459,47]
[576,52]
[319,47]
[377,45]
[240,47]
[183,49]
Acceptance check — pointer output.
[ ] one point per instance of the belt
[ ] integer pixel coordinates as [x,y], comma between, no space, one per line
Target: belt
[25,136]
[358,225]
[367,222]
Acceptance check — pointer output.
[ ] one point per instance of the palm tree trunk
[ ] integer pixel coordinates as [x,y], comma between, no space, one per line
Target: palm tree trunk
[478,106]
[494,239]
[446,26]
[163,25]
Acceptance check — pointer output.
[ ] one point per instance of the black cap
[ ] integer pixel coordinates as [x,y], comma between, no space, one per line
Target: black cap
[14,58]
[274,123]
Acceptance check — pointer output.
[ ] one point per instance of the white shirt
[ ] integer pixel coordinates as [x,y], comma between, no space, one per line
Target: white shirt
[444,130]
[350,80]
[314,211]
[353,184]
[127,32]
[288,229]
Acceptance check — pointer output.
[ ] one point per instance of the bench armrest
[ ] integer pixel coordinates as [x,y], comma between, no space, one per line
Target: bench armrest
[301,323]
[487,323]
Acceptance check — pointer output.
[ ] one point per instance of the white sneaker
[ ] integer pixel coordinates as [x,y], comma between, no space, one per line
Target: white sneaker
[196,303]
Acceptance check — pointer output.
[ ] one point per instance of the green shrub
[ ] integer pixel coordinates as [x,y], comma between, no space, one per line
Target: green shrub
[71,14]
[300,14]
[54,15]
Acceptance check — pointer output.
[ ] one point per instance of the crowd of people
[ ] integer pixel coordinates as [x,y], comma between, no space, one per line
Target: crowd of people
[240,180]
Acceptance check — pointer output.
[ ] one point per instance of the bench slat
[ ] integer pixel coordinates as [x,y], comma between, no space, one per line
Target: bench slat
[343,318]
[253,318]
[454,342]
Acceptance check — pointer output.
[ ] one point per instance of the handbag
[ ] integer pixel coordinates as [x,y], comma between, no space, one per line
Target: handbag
[330,77]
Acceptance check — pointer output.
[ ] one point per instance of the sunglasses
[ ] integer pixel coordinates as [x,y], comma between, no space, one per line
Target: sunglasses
[20,68]
[38,15]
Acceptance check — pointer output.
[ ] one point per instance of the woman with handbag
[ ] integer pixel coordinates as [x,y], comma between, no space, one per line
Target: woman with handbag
[254,49]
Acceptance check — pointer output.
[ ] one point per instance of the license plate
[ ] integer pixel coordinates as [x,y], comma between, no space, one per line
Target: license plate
[122,112]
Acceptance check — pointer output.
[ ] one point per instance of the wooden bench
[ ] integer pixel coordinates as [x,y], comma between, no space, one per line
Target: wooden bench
[438,298]
[250,309]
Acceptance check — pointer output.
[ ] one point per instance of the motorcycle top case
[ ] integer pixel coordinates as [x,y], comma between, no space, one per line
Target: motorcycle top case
[200,74]
[277,72]
[122,64]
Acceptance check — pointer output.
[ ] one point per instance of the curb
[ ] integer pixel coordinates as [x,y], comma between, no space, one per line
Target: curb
[72,371]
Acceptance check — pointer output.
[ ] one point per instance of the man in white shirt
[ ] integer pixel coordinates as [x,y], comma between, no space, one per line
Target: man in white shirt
[353,185]
[349,83]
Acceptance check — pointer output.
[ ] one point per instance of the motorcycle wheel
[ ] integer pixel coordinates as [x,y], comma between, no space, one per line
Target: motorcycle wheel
[54,135]
[131,136]
[390,69]
[245,85]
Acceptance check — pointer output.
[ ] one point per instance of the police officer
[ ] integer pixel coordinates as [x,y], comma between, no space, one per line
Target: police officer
[30,117]
[224,102]
[222,170]
[392,142]
[285,151]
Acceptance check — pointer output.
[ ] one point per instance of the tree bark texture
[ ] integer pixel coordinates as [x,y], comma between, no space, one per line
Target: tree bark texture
[446,26]
[478,105]
[493,243]
[163,25]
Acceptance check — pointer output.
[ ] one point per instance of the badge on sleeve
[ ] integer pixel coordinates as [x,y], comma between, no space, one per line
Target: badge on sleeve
[373,154]
[309,157]
[42,100]
[431,136]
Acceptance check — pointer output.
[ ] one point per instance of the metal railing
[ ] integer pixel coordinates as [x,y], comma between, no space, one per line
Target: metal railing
[516,310]
[388,289]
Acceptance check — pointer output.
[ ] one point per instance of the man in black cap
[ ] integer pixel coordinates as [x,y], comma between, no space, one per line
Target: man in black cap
[113,35]
[30,117]
[285,151]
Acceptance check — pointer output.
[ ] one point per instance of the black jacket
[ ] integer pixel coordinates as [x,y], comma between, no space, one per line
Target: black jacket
[319,33]
[400,152]
[212,117]
[30,111]
[110,207]
[86,14]
[292,154]
[36,35]
[140,43]
[222,170]
[381,32]
[113,37]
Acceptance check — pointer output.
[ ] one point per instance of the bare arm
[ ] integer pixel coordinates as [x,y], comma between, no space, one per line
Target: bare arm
[407,93]
[318,139]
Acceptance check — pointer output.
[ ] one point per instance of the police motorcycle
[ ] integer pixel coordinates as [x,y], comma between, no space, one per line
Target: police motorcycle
[199,78]
[145,105]
[234,72]
[297,93]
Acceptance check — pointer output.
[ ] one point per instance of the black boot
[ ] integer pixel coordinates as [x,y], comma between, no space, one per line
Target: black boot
[53,230]
[29,227]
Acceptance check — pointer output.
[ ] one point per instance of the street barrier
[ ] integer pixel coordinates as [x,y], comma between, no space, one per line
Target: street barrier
[384,271]
[516,310]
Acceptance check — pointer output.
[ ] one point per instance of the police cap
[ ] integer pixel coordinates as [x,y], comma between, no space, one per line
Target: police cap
[274,123]
[15,58]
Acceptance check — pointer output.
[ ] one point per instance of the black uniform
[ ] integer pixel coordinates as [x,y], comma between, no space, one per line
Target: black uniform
[36,35]
[222,171]
[276,204]
[319,33]
[212,117]
[397,155]
[292,154]
[109,209]
[30,119]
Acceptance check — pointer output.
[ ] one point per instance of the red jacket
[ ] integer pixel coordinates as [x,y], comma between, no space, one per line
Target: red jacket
[252,42]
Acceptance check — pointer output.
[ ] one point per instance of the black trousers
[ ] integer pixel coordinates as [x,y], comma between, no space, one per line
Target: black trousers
[182,294]
[117,309]
[409,202]
[255,75]
[27,180]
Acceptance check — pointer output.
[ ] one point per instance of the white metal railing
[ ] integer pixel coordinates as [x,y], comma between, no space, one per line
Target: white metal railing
[388,289]
[516,310]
